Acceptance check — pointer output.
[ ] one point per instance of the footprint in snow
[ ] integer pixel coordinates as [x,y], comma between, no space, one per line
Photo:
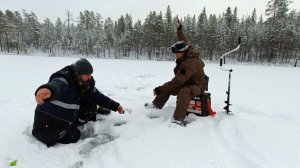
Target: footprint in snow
[120,123]
[77,165]
[87,131]
[144,76]
[128,110]
[139,88]
[98,140]
[152,116]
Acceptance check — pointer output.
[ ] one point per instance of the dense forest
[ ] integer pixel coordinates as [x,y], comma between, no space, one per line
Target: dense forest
[273,40]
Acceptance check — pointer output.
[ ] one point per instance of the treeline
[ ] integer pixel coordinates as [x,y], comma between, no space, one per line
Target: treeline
[275,40]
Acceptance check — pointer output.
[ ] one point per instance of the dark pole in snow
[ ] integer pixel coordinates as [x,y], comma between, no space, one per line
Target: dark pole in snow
[222,60]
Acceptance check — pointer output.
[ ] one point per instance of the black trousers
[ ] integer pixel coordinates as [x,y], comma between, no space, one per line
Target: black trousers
[71,136]
[85,114]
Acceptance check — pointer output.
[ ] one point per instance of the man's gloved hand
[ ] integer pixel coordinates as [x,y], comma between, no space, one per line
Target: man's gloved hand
[179,25]
[156,91]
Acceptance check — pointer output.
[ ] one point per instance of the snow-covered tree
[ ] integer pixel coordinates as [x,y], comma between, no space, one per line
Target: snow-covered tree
[32,30]
[137,38]
[109,33]
[277,11]
[212,36]
[275,40]
[168,30]
[59,36]
[47,36]
[201,33]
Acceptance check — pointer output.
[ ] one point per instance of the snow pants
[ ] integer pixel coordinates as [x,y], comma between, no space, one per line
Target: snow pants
[184,95]
[88,113]
[72,136]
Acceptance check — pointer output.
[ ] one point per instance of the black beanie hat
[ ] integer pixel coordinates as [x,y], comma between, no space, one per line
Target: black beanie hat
[83,66]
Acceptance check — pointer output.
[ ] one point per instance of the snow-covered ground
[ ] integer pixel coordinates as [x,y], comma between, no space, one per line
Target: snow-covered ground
[262,132]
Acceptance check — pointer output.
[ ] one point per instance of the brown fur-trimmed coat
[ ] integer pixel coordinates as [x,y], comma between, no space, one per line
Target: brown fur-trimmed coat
[188,72]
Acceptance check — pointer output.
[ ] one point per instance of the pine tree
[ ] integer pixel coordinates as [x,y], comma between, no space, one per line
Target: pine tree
[121,39]
[291,37]
[9,29]
[109,34]
[32,30]
[68,41]
[128,34]
[59,36]
[277,12]
[47,36]
[2,27]
[137,38]
[188,27]
[150,34]
[99,36]
[169,31]
[201,34]
[19,32]
[212,36]
[262,40]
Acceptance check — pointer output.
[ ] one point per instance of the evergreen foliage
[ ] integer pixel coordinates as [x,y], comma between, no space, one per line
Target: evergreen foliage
[275,40]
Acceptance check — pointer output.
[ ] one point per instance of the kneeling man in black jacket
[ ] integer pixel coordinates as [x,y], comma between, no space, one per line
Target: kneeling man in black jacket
[70,98]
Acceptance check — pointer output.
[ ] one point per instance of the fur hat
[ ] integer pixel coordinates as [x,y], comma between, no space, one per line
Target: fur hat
[179,47]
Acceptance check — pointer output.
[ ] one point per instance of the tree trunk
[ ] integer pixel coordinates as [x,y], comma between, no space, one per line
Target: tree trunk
[17,46]
[7,43]
[1,46]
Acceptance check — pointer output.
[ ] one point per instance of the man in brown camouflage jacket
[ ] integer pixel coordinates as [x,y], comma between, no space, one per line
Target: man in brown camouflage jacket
[189,80]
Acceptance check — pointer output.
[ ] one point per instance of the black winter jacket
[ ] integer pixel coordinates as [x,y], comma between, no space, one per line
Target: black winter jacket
[54,118]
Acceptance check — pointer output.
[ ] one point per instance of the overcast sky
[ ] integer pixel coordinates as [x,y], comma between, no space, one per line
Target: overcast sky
[138,9]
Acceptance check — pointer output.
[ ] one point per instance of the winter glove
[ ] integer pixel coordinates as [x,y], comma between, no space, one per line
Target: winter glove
[156,91]
[179,25]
